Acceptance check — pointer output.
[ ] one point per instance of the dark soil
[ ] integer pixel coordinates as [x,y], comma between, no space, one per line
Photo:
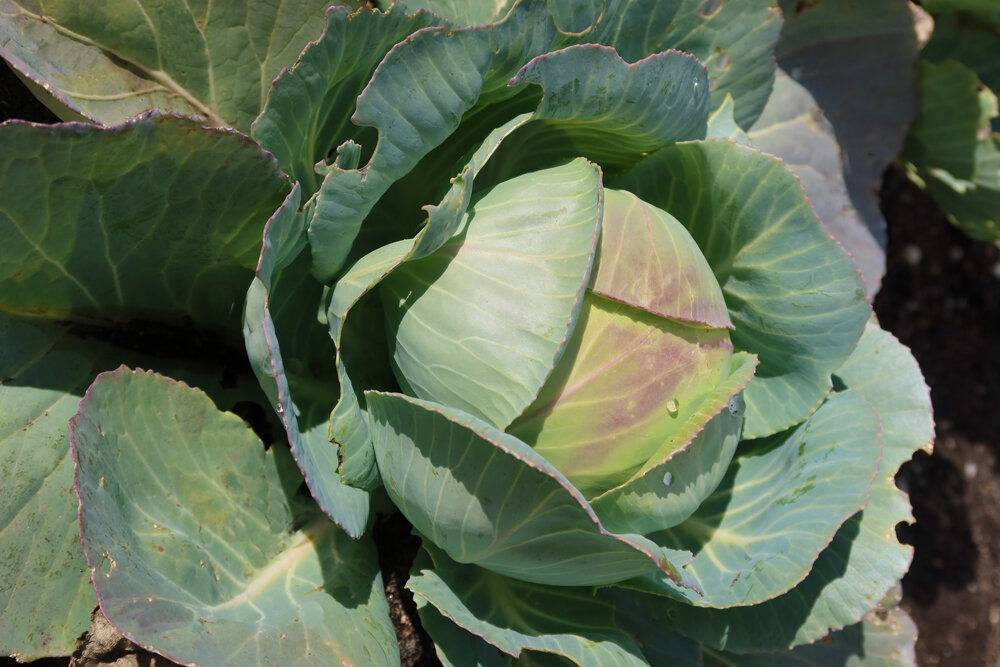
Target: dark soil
[941,297]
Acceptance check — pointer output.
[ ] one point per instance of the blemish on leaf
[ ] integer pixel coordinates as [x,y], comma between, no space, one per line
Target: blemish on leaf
[710,8]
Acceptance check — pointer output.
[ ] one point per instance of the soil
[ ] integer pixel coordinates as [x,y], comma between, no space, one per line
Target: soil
[940,297]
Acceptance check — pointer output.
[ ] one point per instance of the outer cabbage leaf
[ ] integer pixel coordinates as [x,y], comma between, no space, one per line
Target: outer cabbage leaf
[951,147]
[45,590]
[308,110]
[971,39]
[157,219]
[885,638]
[485,497]
[282,305]
[734,40]
[110,61]
[794,297]
[198,544]
[794,128]
[463,12]
[515,615]
[856,59]
[154,220]
[779,505]
[865,560]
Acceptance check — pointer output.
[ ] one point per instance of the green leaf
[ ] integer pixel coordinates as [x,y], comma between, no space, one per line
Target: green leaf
[454,646]
[515,615]
[119,234]
[722,123]
[610,111]
[971,39]
[194,533]
[479,324]
[45,593]
[308,110]
[463,12]
[959,5]
[856,59]
[885,638]
[415,100]
[487,498]
[45,590]
[652,629]
[109,62]
[793,128]
[955,154]
[734,40]
[794,296]
[157,219]
[865,559]
[778,507]
[297,375]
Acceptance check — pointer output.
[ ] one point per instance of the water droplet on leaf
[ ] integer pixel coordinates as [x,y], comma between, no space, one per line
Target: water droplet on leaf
[667,478]
[672,407]
[736,405]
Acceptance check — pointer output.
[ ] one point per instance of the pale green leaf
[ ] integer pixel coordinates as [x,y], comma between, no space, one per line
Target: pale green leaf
[865,560]
[111,60]
[778,507]
[45,590]
[795,298]
[198,545]
[479,324]
[485,497]
[687,468]
[463,12]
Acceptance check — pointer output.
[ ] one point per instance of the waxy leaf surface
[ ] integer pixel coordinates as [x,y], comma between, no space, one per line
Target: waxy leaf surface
[793,128]
[865,559]
[195,534]
[480,324]
[154,221]
[291,352]
[485,497]
[157,219]
[112,60]
[778,507]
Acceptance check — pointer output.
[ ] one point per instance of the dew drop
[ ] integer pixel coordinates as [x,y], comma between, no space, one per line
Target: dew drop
[736,405]
[672,407]
[724,61]
[667,478]
[709,8]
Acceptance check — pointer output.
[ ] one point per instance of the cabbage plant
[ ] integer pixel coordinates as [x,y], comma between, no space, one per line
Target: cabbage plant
[514,270]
